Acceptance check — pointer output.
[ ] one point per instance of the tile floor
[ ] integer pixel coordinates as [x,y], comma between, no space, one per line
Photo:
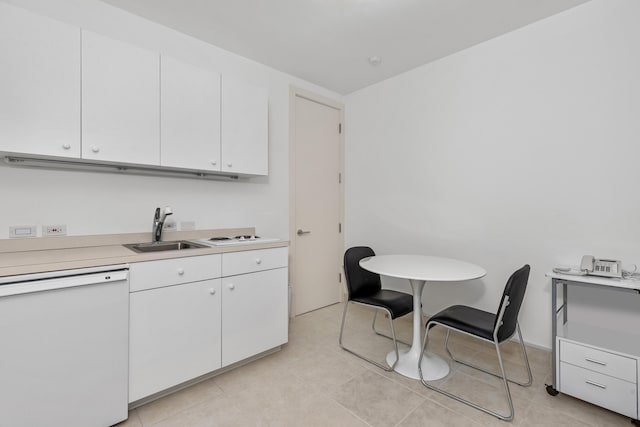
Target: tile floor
[312,382]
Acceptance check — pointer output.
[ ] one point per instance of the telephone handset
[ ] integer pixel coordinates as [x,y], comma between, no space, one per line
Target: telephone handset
[601,267]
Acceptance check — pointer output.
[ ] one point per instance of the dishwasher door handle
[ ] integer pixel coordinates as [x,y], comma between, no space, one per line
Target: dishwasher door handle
[63,282]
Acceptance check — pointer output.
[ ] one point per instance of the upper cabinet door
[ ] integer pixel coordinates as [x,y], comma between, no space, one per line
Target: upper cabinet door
[120,101]
[190,116]
[245,128]
[39,84]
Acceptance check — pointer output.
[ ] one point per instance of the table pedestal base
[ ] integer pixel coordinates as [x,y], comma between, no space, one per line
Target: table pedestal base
[434,367]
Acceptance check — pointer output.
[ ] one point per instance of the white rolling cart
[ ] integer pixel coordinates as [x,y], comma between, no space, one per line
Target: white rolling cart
[596,341]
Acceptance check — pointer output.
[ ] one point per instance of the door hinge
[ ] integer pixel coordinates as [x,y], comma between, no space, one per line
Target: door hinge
[339,178]
[339,227]
[339,127]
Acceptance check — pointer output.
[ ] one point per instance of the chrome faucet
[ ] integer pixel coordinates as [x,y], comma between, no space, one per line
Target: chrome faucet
[158,222]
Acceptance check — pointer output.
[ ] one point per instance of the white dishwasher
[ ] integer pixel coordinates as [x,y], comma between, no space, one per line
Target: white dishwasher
[64,348]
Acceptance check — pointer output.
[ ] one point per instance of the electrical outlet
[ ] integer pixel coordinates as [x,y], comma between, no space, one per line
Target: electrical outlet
[170,226]
[19,231]
[54,230]
[187,225]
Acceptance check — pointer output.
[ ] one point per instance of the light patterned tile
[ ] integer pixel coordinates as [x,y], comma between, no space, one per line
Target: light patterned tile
[177,402]
[219,411]
[377,400]
[434,415]
[326,369]
[132,421]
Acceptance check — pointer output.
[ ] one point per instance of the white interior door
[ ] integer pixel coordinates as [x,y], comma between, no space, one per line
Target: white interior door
[318,205]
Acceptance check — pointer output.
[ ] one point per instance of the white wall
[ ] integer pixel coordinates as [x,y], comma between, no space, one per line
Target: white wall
[523,149]
[96,203]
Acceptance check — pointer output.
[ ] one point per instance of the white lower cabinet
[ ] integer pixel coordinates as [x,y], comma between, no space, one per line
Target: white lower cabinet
[254,314]
[174,336]
[187,321]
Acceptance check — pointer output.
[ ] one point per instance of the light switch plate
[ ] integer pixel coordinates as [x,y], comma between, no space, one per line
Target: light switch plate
[20,231]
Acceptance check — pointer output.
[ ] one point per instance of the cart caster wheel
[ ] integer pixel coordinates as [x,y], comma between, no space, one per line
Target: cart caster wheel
[552,391]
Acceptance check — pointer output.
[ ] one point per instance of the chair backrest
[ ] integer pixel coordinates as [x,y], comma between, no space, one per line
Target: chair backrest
[360,282]
[514,289]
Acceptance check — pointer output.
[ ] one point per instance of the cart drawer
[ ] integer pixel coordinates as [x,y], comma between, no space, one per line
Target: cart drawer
[600,361]
[611,393]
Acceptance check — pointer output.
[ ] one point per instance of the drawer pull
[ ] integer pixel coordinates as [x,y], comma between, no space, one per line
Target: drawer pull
[181,271]
[231,286]
[597,362]
[258,261]
[596,384]
[212,291]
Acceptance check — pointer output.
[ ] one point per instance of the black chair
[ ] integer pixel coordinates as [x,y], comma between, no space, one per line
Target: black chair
[365,288]
[494,328]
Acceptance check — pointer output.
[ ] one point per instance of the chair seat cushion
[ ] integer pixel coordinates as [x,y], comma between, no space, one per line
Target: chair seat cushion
[468,319]
[398,303]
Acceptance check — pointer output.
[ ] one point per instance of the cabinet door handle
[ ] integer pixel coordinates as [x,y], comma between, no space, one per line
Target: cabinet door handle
[258,261]
[212,291]
[66,146]
[95,149]
[214,162]
[229,164]
[595,384]
[597,362]
[180,271]
[231,286]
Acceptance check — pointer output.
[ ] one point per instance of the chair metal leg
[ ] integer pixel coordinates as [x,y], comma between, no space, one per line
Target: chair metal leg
[522,348]
[393,333]
[373,326]
[508,417]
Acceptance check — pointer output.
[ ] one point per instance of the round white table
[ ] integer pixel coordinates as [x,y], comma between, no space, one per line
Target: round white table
[419,269]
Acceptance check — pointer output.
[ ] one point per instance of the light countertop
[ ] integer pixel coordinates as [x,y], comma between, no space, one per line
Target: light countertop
[52,254]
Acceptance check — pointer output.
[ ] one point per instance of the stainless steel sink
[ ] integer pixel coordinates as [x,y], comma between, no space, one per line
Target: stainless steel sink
[163,246]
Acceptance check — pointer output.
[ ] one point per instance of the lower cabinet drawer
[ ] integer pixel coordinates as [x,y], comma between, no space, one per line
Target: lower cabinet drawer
[169,272]
[255,260]
[602,390]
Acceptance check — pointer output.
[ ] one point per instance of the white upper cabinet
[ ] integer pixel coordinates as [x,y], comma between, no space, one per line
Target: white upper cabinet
[245,128]
[120,101]
[39,84]
[190,116]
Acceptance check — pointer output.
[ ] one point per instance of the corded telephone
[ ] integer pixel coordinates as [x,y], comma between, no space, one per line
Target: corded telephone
[601,267]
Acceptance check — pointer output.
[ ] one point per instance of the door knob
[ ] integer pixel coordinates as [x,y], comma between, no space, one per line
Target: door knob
[301,232]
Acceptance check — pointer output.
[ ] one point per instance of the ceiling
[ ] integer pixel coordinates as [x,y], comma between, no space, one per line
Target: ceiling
[328,42]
